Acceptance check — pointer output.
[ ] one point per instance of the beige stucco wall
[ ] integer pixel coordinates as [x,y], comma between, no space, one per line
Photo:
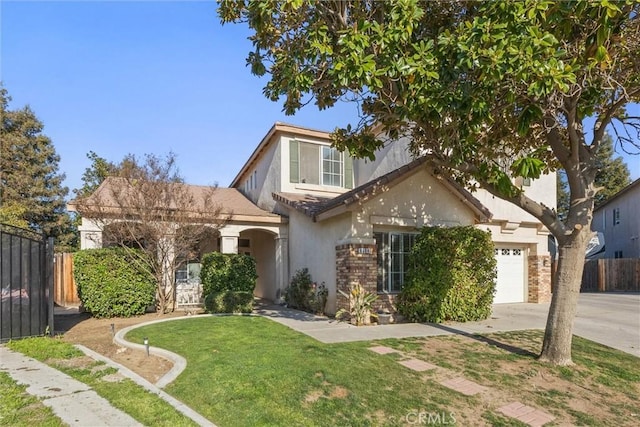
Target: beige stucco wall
[312,245]
[263,251]
[420,200]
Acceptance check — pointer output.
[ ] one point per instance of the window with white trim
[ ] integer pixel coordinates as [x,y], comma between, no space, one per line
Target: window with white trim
[319,164]
[393,259]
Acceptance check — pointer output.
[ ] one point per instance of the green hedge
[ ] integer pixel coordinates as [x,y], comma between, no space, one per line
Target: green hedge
[229,302]
[451,276]
[223,275]
[110,285]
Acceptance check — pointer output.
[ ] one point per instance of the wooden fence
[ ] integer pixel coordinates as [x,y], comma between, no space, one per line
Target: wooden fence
[606,275]
[65,292]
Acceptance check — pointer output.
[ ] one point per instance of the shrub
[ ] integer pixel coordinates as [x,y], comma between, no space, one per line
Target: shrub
[305,294]
[227,272]
[111,284]
[360,305]
[229,302]
[228,281]
[451,276]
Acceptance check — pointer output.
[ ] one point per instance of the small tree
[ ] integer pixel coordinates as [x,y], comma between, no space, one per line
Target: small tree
[147,206]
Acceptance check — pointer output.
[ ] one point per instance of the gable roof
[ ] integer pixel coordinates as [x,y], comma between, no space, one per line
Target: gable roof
[319,208]
[233,204]
[635,185]
[278,127]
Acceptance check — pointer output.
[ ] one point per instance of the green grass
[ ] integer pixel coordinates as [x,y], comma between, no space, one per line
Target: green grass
[252,371]
[18,408]
[145,407]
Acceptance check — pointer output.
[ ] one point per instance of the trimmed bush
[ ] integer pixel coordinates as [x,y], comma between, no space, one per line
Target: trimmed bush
[110,284]
[451,276]
[227,282]
[305,294]
[229,302]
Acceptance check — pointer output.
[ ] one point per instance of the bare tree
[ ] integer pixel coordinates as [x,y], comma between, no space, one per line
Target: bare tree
[148,206]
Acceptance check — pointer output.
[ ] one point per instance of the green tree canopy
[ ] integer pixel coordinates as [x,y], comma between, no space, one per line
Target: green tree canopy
[488,91]
[31,189]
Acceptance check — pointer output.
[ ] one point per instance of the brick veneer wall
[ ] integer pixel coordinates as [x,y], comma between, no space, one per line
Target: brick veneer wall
[539,278]
[355,263]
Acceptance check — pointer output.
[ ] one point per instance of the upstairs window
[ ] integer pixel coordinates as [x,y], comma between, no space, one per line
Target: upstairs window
[616,216]
[319,165]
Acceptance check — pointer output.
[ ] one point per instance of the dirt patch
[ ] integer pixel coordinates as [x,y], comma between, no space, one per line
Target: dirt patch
[523,380]
[96,334]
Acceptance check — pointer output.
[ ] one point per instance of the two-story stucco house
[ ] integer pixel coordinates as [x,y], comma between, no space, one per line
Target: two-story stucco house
[299,203]
[618,219]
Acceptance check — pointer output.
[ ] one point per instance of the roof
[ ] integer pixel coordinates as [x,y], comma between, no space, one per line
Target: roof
[633,186]
[266,141]
[232,203]
[319,208]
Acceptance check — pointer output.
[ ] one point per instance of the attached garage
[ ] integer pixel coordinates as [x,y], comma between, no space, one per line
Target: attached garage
[511,284]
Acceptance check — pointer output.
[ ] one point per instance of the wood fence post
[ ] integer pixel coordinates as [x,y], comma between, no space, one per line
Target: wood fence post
[601,276]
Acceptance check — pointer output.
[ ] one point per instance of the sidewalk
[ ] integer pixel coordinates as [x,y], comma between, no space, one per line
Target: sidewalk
[506,317]
[609,319]
[75,403]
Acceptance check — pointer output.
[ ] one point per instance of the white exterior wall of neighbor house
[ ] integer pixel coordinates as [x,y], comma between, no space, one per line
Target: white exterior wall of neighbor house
[625,235]
[312,245]
[90,234]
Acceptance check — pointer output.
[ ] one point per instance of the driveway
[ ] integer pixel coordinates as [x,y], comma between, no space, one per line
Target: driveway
[609,319]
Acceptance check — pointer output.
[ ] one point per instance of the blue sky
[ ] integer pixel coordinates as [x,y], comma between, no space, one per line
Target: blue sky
[145,77]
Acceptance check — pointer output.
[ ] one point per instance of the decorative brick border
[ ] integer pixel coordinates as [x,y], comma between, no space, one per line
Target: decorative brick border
[356,263]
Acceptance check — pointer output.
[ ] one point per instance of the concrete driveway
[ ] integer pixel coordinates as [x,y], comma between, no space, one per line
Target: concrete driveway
[609,319]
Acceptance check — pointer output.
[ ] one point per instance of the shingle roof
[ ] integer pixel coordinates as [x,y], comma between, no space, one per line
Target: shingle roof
[230,200]
[314,206]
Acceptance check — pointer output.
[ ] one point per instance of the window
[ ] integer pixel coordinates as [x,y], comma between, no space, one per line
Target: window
[393,259]
[188,272]
[617,254]
[332,167]
[616,216]
[319,165]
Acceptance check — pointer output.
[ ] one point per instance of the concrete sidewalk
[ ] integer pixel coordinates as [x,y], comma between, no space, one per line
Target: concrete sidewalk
[609,319]
[75,403]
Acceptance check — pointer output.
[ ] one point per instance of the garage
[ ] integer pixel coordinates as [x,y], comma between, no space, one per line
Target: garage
[510,286]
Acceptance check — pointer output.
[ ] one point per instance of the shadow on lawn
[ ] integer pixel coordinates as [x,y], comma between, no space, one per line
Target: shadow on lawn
[481,338]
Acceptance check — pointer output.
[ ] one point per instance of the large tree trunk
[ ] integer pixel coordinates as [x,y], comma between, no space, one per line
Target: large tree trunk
[556,348]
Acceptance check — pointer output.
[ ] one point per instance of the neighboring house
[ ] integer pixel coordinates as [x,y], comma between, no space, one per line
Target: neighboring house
[353,221]
[618,219]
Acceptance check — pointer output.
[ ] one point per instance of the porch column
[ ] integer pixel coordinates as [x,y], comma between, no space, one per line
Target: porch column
[282,268]
[229,241]
[90,235]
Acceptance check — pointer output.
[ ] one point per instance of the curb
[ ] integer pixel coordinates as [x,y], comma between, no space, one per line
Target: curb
[178,405]
[179,362]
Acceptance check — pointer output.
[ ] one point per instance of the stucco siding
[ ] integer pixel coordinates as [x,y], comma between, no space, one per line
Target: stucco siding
[312,245]
[418,201]
[262,249]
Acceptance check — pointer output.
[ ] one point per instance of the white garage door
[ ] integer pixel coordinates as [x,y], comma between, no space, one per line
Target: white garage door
[510,284]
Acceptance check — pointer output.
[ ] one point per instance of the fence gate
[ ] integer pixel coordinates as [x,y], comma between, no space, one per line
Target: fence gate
[26,279]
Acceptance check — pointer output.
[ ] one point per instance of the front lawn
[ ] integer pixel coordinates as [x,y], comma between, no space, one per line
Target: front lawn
[245,371]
